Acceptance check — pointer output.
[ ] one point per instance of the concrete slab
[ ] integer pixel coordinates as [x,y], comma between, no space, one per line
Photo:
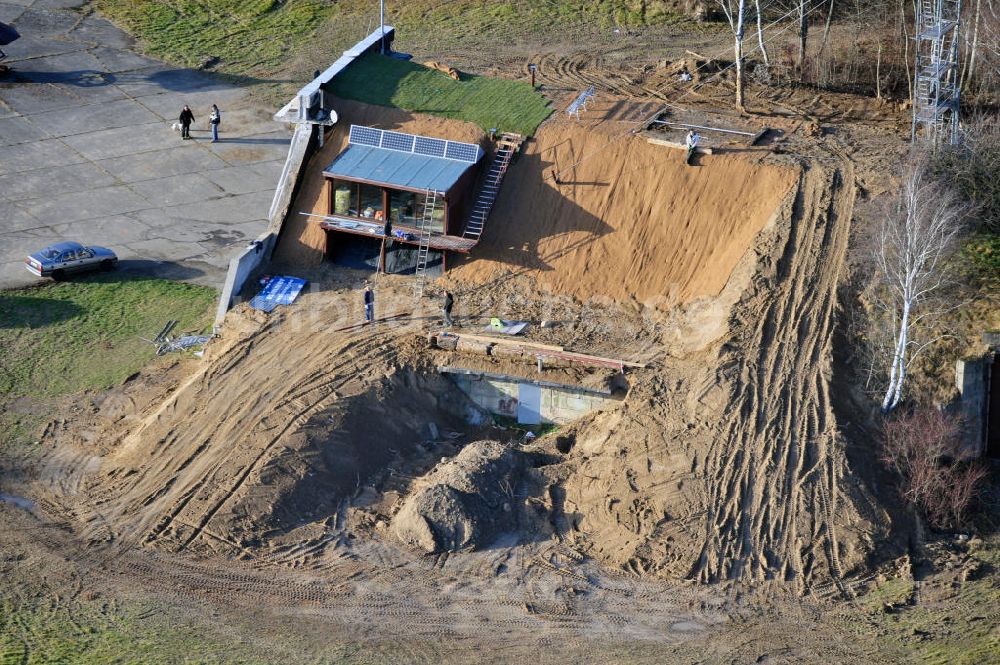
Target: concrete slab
[92,203]
[116,60]
[16,218]
[100,144]
[230,210]
[18,129]
[30,98]
[240,179]
[110,231]
[37,155]
[112,114]
[39,183]
[182,157]
[178,190]
[37,21]
[96,31]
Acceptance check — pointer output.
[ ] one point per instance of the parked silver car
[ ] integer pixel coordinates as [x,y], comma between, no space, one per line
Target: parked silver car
[59,260]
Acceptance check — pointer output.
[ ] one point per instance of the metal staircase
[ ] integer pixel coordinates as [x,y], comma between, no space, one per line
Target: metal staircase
[507,147]
[935,85]
[424,223]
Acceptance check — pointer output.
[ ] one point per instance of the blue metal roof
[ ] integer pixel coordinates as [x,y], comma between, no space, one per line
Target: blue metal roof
[397,169]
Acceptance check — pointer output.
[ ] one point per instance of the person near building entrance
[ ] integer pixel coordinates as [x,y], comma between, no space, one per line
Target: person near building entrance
[369,304]
[186,119]
[215,119]
[449,302]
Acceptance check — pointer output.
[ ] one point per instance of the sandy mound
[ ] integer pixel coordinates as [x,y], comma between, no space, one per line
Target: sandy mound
[468,500]
[630,220]
[279,427]
[303,241]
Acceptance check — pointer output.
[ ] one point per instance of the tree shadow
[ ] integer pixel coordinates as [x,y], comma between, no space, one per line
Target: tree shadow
[34,312]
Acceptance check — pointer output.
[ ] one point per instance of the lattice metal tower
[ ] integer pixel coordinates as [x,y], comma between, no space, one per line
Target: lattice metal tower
[935,89]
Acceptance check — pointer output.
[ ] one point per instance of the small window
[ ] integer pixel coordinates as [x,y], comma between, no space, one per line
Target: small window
[85,254]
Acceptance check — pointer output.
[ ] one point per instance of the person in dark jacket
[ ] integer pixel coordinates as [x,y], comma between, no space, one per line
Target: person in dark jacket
[186,119]
[369,304]
[449,302]
[215,118]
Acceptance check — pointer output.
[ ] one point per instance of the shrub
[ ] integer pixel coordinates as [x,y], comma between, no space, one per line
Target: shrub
[925,447]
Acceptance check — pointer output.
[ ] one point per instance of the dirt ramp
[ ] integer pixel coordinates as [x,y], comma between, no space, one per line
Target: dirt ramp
[627,219]
[466,502]
[732,469]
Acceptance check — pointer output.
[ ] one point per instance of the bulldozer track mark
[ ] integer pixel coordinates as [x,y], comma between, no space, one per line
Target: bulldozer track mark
[781,419]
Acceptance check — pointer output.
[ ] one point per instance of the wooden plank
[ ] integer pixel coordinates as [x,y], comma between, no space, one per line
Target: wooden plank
[509,342]
[680,146]
[555,351]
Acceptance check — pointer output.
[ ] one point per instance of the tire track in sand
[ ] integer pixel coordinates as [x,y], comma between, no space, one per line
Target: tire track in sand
[777,440]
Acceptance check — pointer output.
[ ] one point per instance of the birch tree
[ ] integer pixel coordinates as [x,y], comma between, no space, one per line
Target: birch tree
[911,249]
[760,34]
[735,11]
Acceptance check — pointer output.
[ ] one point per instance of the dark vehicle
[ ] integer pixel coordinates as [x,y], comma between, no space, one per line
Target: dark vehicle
[7,35]
[59,260]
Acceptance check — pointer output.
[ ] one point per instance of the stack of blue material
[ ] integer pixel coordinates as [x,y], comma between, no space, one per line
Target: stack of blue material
[278,291]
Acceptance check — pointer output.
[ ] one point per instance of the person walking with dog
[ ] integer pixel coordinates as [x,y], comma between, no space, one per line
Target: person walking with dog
[186,120]
[215,118]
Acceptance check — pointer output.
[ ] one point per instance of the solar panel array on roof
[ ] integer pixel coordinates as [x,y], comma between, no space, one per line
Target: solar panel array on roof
[411,143]
[397,141]
[463,152]
[431,147]
[361,135]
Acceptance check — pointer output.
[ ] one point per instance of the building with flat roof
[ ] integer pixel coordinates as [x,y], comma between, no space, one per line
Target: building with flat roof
[384,175]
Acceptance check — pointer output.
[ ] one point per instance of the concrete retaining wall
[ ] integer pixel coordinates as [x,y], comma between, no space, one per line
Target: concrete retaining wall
[241,267]
[560,404]
[971,379]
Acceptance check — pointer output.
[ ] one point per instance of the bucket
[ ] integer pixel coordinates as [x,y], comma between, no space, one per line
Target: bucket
[342,200]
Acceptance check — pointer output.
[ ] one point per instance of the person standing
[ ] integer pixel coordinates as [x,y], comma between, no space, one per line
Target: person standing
[449,302]
[215,119]
[369,304]
[691,141]
[186,119]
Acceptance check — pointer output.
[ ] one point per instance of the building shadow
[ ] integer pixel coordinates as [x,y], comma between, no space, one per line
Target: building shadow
[132,269]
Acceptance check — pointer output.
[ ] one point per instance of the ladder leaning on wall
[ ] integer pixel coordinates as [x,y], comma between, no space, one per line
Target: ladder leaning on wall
[424,223]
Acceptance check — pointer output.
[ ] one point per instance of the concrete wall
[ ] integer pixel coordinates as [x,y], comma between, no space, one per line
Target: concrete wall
[241,267]
[970,379]
[559,404]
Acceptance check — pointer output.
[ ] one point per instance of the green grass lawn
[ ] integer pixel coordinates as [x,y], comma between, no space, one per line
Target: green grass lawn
[64,337]
[262,37]
[487,102]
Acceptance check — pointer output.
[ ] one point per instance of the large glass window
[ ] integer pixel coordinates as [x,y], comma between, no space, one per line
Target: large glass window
[354,199]
[370,205]
[403,207]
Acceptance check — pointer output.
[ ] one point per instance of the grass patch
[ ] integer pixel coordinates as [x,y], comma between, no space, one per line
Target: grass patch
[488,102]
[246,35]
[65,337]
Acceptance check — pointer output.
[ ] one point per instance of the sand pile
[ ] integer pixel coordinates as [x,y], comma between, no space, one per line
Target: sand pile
[304,242]
[279,426]
[467,501]
[630,220]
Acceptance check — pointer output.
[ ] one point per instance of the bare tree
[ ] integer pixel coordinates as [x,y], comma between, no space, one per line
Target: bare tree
[760,34]
[803,36]
[910,253]
[735,11]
